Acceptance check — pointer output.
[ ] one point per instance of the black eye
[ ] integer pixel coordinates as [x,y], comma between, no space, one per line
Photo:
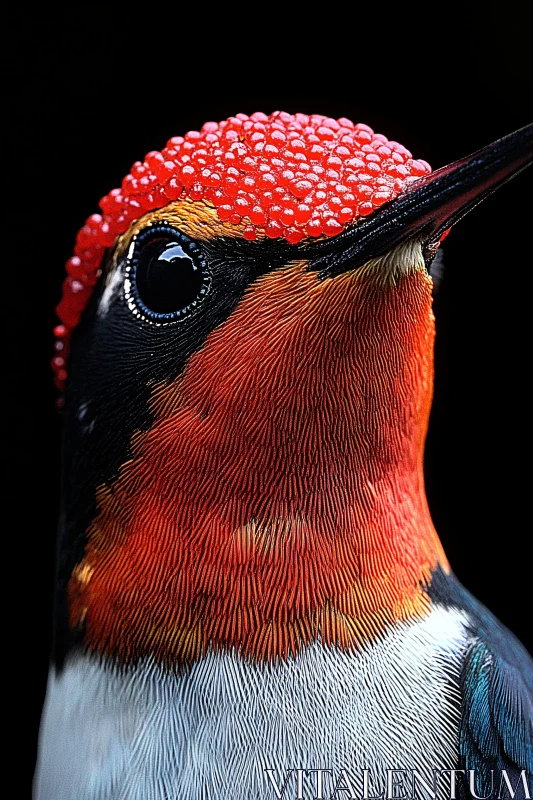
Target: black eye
[166,275]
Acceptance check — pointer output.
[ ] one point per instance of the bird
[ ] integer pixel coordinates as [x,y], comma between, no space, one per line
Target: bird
[252,599]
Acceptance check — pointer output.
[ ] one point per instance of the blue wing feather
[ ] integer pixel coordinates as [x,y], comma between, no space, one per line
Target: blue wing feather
[496,731]
[497,724]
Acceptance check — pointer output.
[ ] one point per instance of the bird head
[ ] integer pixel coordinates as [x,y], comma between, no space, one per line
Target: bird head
[249,336]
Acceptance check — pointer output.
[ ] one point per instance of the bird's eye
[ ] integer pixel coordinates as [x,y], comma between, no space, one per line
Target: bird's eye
[166,275]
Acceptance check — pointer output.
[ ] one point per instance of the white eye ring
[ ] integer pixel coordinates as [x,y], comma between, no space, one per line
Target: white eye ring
[145,292]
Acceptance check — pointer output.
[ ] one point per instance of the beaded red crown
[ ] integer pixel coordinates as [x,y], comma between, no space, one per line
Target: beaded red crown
[286,175]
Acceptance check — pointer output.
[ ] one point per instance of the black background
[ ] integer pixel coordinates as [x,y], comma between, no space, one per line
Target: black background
[87,92]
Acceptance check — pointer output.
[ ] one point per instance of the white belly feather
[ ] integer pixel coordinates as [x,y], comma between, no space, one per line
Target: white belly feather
[211,731]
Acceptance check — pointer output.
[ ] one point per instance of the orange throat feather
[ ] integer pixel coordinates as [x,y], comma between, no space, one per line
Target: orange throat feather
[278,497]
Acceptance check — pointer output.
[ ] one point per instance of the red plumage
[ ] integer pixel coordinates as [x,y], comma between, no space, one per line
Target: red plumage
[278,496]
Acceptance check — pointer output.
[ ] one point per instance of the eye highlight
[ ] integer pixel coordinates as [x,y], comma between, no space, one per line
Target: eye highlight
[166,275]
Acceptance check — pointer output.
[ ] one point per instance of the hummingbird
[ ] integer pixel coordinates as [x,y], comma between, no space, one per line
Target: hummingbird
[252,599]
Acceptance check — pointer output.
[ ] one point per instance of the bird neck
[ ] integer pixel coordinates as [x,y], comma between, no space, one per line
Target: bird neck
[275,500]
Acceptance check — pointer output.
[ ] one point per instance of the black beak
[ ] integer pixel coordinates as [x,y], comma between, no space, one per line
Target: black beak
[427,207]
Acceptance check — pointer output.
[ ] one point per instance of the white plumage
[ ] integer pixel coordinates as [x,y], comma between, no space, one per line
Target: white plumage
[210,732]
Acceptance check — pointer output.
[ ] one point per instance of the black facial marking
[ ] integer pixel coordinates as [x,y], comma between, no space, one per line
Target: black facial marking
[116,358]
